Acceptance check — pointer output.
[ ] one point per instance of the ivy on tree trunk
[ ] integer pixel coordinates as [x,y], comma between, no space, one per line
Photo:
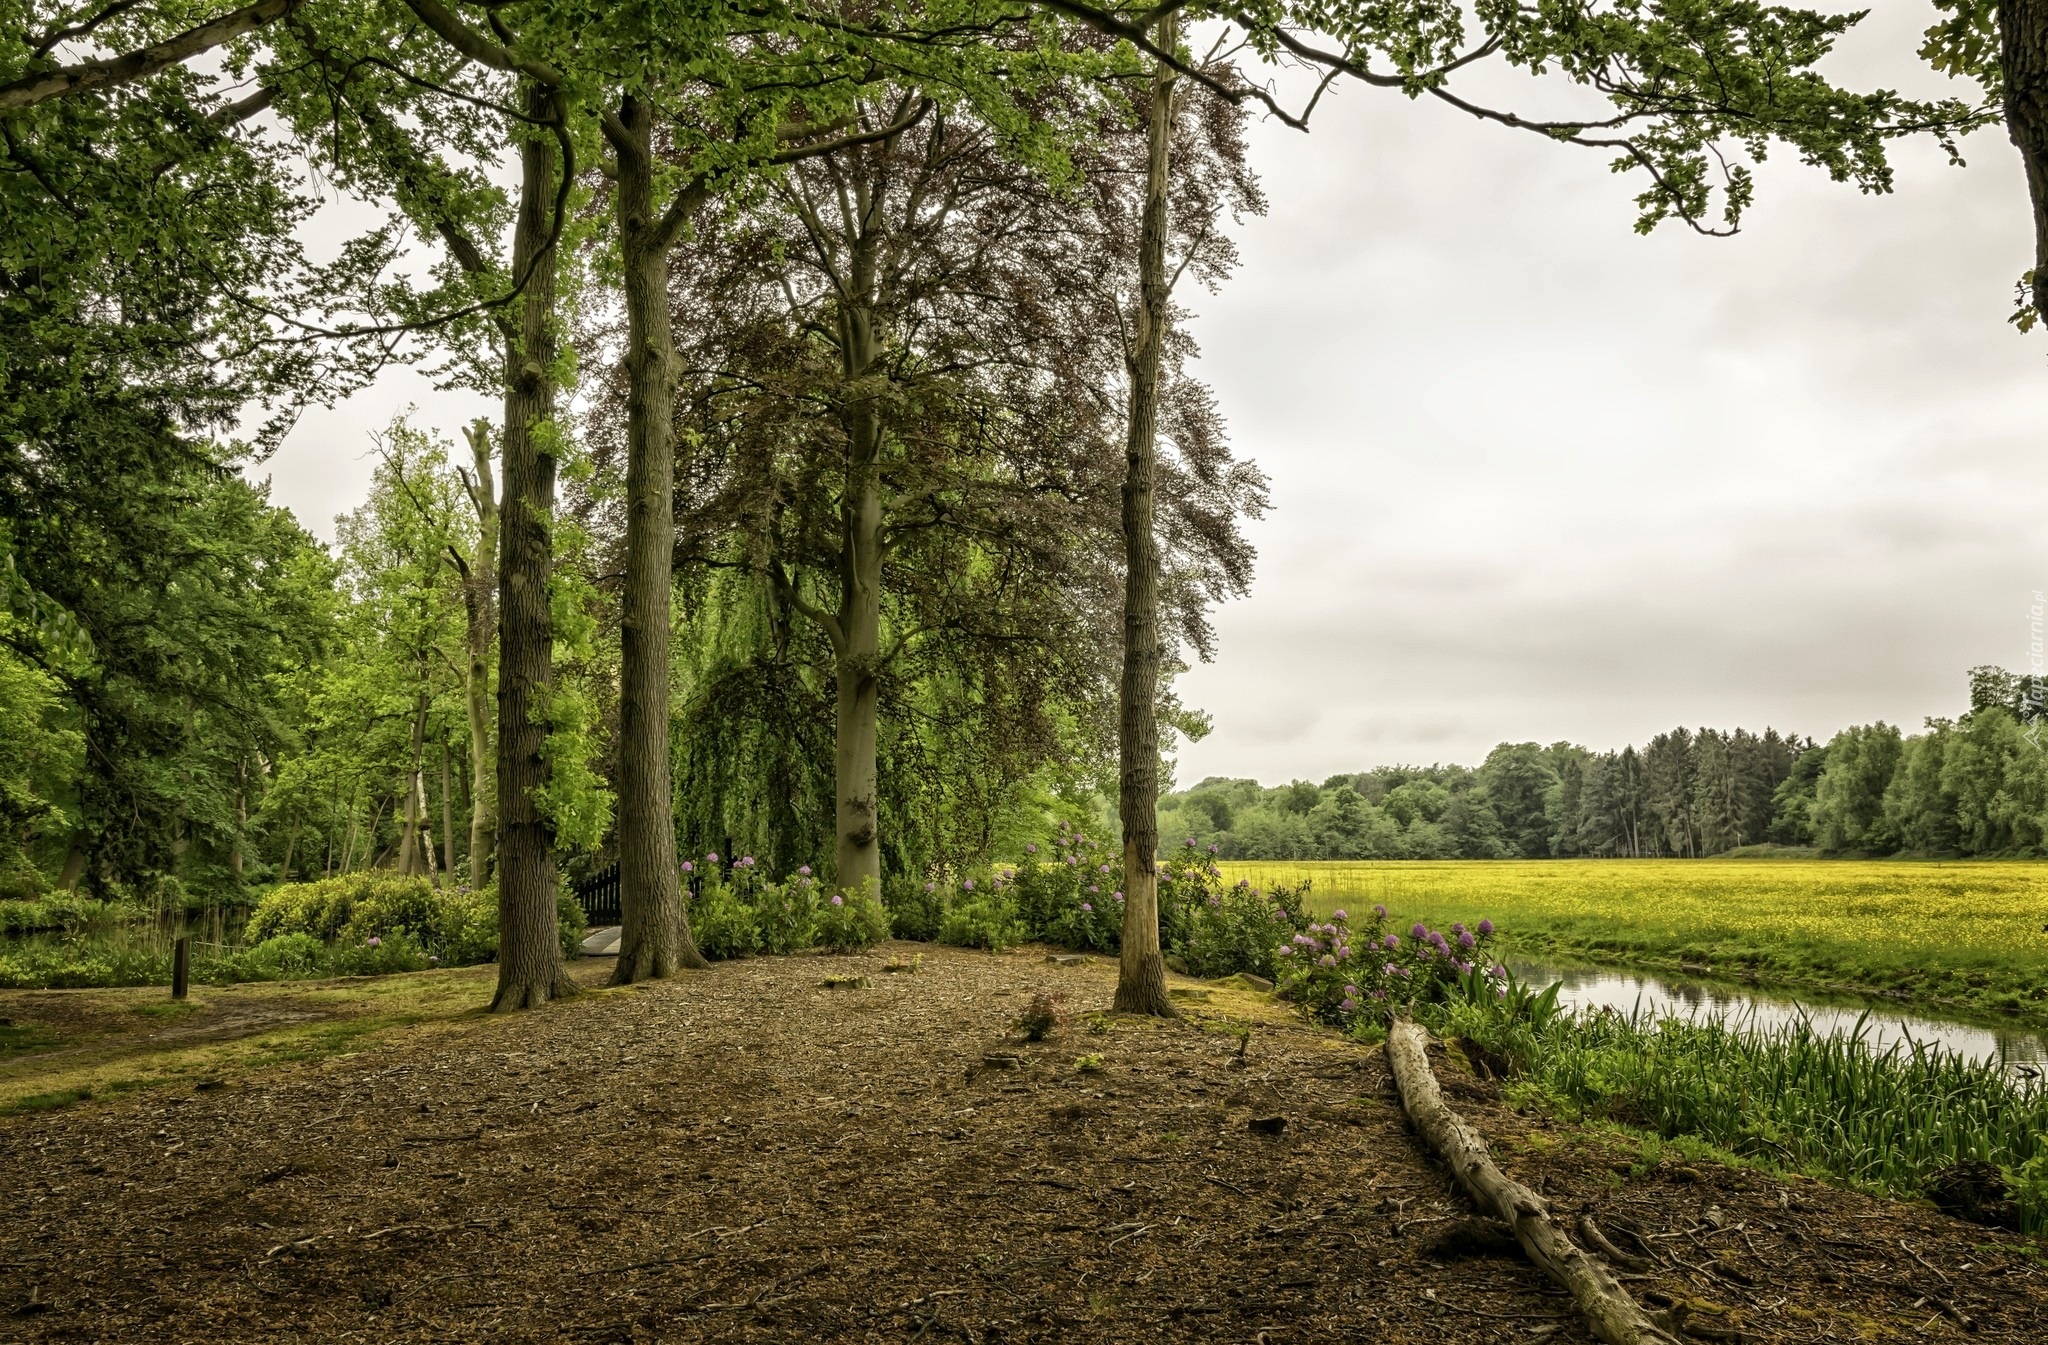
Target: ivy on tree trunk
[530,967]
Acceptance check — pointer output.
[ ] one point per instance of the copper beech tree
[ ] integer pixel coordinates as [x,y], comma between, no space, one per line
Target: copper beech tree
[904,393]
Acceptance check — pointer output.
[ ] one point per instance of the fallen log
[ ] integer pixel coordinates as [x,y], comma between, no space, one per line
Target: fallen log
[1611,1314]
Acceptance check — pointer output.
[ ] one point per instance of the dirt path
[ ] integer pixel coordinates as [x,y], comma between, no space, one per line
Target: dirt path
[745,1154]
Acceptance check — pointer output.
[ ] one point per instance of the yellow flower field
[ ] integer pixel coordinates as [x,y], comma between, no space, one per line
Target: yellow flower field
[1968,932]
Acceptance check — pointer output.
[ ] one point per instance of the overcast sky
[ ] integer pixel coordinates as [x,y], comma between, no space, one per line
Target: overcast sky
[1537,477]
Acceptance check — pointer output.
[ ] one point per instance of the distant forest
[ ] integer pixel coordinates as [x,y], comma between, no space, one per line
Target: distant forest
[1976,785]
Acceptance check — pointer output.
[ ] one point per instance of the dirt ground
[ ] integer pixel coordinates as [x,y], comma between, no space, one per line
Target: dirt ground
[747,1154]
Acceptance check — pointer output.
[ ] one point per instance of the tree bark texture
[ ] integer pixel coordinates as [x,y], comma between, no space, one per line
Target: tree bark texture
[858,852]
[530,967]
[655,931]
[1141,975]
[2023,59]
[478,609]
[1611,1314]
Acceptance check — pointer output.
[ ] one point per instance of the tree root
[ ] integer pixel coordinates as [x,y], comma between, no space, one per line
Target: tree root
[1609,1312]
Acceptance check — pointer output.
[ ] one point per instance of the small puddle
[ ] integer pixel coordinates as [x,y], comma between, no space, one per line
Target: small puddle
[2023,1053]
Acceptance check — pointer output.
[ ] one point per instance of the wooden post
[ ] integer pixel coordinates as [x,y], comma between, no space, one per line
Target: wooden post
[181,966]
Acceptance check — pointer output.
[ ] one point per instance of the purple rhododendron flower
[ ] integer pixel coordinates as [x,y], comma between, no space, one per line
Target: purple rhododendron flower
[1327,961]
[1118,895]
[838,900]
[1391,970]
[688,867]
[1216,902]
[374,942]
[1103,869]
[1485,927]
[967,884]
[1285,951]
[1392,941]
[931,887]
[1351,990]
[1339,915]
[1031,847]
[1379,994]
[1466,940]
[746,861]
[804,870]
[1458,929]
[1071,861]
[711,858]
[1349,1006]
[1086,907]
[1497,972]
[1094,888]
[1379,910]
[1212,848]
[1418,930]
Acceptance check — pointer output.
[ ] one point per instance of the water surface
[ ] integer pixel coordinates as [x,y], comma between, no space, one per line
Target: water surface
[2021,1051]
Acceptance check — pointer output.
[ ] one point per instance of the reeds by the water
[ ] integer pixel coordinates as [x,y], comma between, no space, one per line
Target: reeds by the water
[1787,1094]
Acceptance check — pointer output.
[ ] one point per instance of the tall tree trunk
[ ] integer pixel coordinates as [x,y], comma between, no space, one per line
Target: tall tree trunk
[858,851]
[654,936]
[409,859]
[2023,60]
[291,844]
[1141,975]
[477,611]
[447,813]
[348,849]
[241,819]
[530,967]
[74,865]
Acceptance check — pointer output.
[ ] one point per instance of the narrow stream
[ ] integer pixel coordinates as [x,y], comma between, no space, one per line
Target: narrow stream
[2022,1052]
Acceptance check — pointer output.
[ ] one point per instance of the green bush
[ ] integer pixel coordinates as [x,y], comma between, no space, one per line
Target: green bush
[453,927]
[854,920]
[722,921]
[46,964]
[984,919]
[64,912]
[570,920]
[1240,929]
[1069,893]
[787,913]
[379,955]
[325,907]
[916,908]
[410,907]
[284,957]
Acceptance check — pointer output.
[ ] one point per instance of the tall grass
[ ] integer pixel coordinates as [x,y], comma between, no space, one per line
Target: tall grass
[1828,1105]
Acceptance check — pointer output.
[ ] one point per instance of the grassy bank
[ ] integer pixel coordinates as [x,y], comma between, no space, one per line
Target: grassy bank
[1961,935]
[1911,1121]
